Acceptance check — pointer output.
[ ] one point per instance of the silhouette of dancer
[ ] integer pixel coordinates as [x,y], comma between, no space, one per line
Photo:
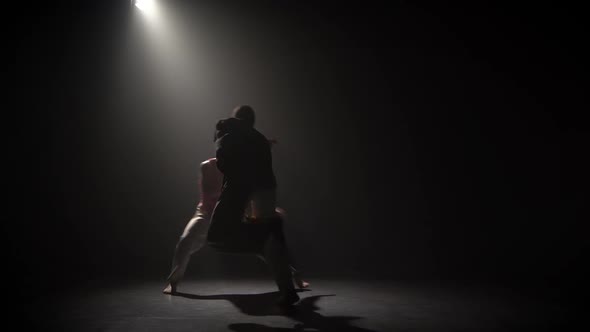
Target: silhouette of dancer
[194,235]
[244,157]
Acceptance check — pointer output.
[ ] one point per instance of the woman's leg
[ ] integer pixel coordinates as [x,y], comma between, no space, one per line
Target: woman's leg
[192,239]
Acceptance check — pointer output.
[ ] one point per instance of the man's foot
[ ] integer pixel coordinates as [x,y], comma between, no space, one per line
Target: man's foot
[299,282]
[170,289]
[288,299]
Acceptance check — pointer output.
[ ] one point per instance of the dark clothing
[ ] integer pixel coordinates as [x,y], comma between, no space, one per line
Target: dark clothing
[244,157]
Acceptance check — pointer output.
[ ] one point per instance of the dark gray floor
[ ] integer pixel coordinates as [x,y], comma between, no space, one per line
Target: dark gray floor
[248,305]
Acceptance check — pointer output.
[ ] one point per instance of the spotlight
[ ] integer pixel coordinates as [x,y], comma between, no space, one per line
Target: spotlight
[146,6]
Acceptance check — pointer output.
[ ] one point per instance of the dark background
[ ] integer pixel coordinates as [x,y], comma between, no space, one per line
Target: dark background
[416,141]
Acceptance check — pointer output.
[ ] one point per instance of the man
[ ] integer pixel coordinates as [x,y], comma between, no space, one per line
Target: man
[244,157]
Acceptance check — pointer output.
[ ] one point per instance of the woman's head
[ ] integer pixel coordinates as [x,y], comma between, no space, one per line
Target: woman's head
[226,126]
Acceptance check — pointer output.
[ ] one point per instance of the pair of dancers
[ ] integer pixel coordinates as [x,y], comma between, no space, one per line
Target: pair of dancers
[237,210]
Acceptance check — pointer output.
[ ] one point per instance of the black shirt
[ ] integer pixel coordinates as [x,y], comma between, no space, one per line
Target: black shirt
[244,157]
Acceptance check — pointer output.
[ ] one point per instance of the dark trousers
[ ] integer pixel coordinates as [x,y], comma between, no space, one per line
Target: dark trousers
[231,233]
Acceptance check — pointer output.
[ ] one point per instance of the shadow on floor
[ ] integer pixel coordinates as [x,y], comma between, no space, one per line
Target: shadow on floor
[305,312]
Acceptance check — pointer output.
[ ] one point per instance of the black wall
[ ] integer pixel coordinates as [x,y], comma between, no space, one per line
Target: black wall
[416,141]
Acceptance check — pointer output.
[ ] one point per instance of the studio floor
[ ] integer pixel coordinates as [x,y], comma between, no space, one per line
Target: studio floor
[328,305]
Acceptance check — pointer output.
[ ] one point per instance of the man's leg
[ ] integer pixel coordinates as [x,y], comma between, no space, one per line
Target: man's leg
[228,233]
[297,278]
[276,255]
[192,239]
[266,215]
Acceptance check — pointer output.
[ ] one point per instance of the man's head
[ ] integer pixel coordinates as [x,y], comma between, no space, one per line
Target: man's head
[246,114]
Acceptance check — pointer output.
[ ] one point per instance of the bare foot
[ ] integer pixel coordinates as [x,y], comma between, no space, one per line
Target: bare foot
[170,289]
[300,282]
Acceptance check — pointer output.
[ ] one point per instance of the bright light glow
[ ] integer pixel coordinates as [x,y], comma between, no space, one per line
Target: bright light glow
[146,6]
